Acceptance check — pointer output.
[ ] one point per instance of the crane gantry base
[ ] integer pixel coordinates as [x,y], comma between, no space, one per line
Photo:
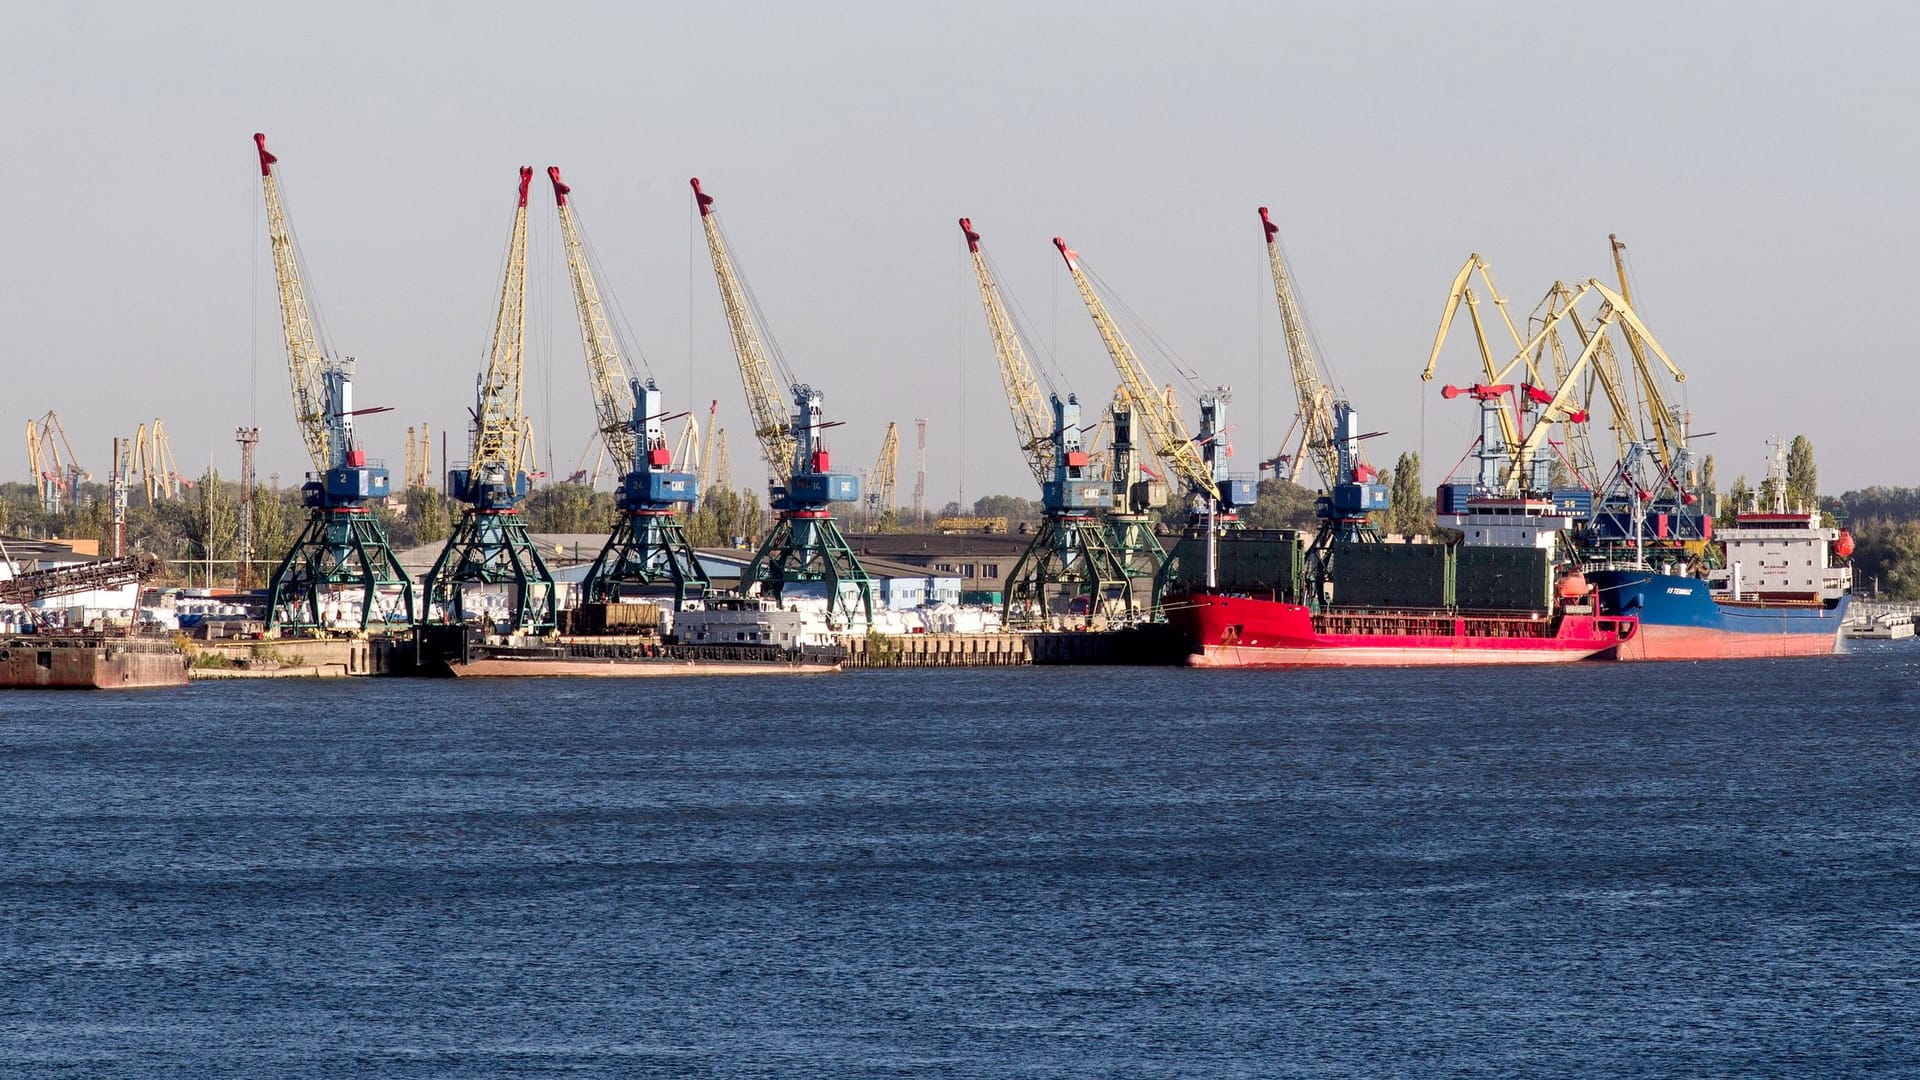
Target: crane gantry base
[807,546]
[342,550]
[1141,555]
[1071,561]
[646,548]
[491,548]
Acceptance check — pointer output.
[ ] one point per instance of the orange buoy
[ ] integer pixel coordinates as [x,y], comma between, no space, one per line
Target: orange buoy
[1843,545]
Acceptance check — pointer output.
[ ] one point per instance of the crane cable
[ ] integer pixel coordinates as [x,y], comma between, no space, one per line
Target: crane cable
[1328,373]
[623,335]
[1049,372]
[1169,359]
[767,340]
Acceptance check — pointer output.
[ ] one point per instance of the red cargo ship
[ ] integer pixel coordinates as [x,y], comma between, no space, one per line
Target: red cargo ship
[1242,631]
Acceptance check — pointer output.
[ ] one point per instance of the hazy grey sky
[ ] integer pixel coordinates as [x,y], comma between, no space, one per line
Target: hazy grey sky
[1759,159]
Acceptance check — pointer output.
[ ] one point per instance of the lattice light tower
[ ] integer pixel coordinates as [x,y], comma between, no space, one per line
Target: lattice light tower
[341,554]
[648,546]
[248,438]
[805,545]
[489,552]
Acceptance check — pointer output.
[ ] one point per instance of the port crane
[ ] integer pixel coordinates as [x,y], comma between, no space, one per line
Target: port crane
[56,468]
[883,479]
[805,545]
[1651,487]
[1328,434]
[1070,565]
[342,552]
[1198,460]
[153,460]
[648,544]
[1517,408]
[419,457]
[489,548]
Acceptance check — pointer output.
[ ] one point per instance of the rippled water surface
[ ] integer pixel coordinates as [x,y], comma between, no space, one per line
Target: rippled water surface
[1693,870]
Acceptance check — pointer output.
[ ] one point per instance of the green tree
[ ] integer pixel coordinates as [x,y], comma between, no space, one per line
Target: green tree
[1282,504]
[1887,554]
[569,508]
[1803,485]
[427,512]
[1411,509]
[723,514]
[273,522]
[1709,494]
[212,527]
[1739,496]
[1012,507]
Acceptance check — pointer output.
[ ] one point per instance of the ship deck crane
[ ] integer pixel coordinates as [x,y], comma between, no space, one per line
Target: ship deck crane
[1328,435]
[1069,568]
[805,544]
[489,550]
[648,545]
[342,551]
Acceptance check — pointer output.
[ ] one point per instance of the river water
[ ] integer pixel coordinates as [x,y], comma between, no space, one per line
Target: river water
[1694,870]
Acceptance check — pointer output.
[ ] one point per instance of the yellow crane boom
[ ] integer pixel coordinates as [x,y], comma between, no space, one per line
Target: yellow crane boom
[499,425]
[1561,404]
[886,469]
[1669,432]
[705,473]
[612,396]
[1165,429]
[1032,418]
[305,360]
[771,424]
[1312,399]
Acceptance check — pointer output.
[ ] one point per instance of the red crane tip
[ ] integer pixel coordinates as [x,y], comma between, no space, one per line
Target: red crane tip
[266,159]
[526,177]
[560,189]
[1267,222]
[704,200]
[973,238]
[1066,252]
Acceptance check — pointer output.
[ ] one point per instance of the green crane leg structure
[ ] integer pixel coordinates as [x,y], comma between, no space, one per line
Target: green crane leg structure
[646,548]
[491,548]
[1069,557]
[342,550]
[806,546]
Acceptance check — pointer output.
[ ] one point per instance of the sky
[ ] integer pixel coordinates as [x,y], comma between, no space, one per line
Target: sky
[1757,158]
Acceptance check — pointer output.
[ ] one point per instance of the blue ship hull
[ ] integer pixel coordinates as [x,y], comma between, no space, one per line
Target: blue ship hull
[1681,619]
